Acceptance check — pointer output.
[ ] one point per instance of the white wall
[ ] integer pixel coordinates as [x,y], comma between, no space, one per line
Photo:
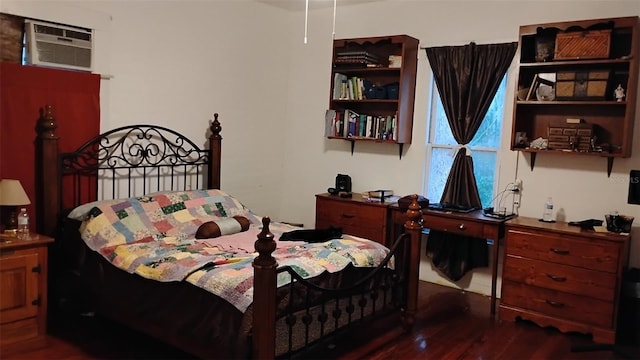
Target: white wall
[578,185]
[175,63]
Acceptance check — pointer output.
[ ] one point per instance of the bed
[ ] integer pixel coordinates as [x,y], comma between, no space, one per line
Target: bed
[124,209]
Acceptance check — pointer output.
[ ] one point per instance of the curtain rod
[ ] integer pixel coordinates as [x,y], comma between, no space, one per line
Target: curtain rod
[471,42]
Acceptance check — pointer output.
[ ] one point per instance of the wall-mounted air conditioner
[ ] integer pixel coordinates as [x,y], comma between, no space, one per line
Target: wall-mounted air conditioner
[58,46]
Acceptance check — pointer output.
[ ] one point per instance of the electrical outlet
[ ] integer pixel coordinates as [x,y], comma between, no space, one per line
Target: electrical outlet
[517,192]
[516,199]
[518,184]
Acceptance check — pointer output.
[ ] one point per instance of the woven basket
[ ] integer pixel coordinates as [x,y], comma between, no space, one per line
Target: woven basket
[594,44]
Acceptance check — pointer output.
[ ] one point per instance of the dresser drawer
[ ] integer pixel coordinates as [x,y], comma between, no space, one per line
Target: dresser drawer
[454,226]
[354,217]
[558,304]
[574,251]
[345,213]
[569,279]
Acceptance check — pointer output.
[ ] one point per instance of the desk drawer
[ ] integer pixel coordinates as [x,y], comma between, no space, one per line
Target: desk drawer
[585,253]
[454,226]
[569,279]
[558,304]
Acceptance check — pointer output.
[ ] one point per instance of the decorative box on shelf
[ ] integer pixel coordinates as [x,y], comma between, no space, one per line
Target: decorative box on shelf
[576,45]
[570,136]
[582,85]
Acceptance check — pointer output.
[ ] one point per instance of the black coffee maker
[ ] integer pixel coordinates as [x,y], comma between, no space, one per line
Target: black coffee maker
[343,186]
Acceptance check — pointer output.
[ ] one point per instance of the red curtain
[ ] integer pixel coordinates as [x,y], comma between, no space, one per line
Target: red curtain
[24,90]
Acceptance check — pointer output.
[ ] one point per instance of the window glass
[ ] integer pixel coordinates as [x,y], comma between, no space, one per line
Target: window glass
[484,148]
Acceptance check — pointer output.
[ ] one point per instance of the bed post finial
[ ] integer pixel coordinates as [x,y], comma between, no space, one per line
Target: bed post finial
[215,126]
[47,175]
[264,295]
[47,123]
[215,153]
[265,245]
[413,226]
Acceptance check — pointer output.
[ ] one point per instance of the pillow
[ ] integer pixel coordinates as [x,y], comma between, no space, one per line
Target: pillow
[226,226]
[81,212]
[223,204]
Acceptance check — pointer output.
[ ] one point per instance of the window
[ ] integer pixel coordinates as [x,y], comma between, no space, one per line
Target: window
[484,148]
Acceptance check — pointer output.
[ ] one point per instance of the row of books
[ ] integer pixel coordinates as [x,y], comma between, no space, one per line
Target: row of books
[356,58]
[348,123]
[345,88]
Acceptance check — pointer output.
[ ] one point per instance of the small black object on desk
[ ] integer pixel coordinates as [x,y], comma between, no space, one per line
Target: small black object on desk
[490,212]
[344,194]
[547,221]
[586,224]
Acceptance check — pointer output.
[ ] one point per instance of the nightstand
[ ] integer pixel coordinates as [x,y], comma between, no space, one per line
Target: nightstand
[23,300]
[354,215]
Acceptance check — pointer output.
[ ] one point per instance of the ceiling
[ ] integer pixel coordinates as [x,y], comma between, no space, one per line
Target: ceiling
[299,5]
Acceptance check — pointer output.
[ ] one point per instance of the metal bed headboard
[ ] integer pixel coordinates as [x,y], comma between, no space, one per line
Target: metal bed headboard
[135,160]
[132,160]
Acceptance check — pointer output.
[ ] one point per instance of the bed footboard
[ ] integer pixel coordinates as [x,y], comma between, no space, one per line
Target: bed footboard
[308,311]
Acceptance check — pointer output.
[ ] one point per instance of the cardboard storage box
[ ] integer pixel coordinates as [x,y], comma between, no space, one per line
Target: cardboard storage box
[593,44]
[582,85]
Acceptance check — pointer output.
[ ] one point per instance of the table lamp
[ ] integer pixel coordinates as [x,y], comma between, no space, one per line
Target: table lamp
[12,195]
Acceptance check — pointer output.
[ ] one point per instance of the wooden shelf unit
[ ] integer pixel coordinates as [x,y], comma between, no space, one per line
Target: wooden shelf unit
[612,120]
[380,76]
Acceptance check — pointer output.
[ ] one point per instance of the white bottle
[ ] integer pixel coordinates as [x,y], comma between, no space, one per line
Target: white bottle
[23,221]
[547,214]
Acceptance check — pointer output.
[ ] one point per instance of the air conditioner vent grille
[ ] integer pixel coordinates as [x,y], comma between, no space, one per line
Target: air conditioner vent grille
[44,29]
[64,55]
[78,35]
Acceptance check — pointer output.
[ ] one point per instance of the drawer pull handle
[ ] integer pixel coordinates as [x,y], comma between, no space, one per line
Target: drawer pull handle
[557,278]
[560,252]
[347,216]
[461,227]
[555,303]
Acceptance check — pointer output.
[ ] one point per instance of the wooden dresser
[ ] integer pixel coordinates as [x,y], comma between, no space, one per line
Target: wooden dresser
[354,215]
[23,299]
[558,275]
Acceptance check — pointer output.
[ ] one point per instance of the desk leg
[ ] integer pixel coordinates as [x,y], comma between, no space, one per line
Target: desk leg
[494,275]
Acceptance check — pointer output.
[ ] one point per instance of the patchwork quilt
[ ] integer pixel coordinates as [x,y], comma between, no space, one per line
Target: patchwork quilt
[153,237]
[157,216]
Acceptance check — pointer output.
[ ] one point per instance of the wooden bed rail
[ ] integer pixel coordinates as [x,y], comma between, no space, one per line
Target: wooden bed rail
[264,295]
[215,153]
[265,283]
[49,167]
[413,226]
[47,172]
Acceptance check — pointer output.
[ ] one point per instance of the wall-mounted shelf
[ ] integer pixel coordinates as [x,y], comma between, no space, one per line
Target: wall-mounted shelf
[373,79]
[609,120]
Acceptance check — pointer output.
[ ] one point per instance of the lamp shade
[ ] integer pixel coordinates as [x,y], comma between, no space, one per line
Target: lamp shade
[12,193]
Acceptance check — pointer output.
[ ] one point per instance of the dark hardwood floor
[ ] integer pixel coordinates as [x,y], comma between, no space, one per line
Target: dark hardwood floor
[450,324]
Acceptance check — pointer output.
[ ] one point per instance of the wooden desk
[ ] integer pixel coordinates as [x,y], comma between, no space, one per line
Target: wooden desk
[474,224]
